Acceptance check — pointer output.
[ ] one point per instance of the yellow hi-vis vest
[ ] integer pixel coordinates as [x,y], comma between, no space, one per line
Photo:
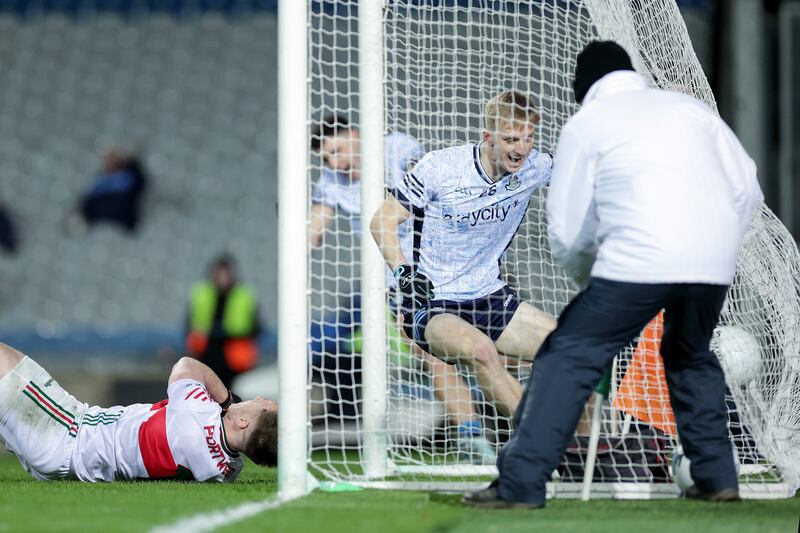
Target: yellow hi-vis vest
[238,316]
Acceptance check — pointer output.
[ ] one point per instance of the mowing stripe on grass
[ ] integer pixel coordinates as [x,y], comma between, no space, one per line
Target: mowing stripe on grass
[210,521]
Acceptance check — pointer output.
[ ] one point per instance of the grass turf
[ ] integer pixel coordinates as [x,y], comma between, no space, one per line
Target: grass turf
[29,505]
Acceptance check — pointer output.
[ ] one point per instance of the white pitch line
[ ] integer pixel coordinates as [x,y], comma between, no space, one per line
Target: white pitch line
[203,522]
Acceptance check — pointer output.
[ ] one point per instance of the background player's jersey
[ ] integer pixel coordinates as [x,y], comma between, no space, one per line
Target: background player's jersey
[178,438]
[337,190]
[466,220]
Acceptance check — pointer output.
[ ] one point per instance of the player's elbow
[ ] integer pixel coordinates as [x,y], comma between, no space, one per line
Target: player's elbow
[186,367]
[185,361]
[377,225]
[314,240]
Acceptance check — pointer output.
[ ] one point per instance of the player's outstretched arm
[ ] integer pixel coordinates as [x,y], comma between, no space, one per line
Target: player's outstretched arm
[384,230]
[320,219]
[189,368]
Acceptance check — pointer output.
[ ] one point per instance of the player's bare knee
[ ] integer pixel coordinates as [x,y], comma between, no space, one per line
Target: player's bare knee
[483,353]
[9,358]
[548,325]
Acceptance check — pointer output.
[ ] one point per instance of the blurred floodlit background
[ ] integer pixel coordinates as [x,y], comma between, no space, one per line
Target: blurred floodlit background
[190,88]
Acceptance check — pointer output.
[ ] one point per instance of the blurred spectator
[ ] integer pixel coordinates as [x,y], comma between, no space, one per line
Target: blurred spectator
[115,196]
[9,240]
[223,324]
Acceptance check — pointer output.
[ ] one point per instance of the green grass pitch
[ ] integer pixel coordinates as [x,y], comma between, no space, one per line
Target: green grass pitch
[30,506]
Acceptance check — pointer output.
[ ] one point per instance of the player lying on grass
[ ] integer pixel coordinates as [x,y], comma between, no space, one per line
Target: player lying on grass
[198,433]
[339,188]
[467,203]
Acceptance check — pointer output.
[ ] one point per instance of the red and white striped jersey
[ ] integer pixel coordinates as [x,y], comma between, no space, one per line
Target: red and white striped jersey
[181,437]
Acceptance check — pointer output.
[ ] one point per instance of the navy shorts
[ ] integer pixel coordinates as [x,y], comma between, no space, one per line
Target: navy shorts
[490,314]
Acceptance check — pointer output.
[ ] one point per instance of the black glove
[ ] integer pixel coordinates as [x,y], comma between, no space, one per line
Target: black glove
[231,399]
[413,285]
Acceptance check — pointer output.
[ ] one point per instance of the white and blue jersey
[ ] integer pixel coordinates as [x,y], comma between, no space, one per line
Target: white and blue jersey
[465,221]
[338,190]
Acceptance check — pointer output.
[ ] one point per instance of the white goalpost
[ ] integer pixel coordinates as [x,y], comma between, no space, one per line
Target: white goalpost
[373,289]
[357,403]
[292,261]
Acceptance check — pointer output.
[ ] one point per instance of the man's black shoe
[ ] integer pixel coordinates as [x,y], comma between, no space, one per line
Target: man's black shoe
[724,495]
[488,499]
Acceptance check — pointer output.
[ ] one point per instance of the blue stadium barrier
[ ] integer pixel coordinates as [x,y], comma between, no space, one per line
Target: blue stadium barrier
[145,341]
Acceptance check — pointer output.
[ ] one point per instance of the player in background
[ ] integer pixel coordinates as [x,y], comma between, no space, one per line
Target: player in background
[339,189]
[197,434]
[466,204]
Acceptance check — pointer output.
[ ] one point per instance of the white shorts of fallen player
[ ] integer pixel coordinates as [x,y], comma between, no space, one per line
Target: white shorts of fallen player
[38,420]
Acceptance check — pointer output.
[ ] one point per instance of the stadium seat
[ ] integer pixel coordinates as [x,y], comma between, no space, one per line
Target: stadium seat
[197,95]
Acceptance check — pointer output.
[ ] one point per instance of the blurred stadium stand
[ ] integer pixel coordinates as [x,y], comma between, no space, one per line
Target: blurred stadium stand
[189,83]
[138,7]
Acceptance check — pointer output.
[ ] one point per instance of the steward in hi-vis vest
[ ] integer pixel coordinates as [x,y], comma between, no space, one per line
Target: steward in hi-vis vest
[223,324]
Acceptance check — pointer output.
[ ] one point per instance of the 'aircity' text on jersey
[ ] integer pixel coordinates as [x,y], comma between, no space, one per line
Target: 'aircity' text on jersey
[492,213]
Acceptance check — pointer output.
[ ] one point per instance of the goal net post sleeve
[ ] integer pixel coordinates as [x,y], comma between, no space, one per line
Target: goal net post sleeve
[292,250]
[373,268]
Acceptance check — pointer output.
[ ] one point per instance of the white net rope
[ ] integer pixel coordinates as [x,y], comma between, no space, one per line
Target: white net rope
[442,62]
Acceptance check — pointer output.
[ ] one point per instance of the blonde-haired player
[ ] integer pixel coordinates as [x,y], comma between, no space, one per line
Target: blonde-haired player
[467,203]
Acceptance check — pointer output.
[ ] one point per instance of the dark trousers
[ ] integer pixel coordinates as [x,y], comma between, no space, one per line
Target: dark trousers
[214,357]
[601,321]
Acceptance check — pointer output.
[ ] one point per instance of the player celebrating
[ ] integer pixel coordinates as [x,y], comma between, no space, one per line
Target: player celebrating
[467,203]
[339,189]
[196,434]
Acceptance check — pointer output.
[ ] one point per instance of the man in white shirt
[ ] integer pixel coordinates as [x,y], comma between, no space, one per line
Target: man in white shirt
[467,203]
[197,434]
[338,189]
[648,205]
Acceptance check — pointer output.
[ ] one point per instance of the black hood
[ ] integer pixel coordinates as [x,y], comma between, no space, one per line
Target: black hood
[596,60]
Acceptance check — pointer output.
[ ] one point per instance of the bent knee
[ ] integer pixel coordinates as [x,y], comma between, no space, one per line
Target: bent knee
[549,325]
[484,353]
[9,358]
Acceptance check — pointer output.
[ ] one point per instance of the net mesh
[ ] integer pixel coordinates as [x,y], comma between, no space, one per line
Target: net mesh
[443,60]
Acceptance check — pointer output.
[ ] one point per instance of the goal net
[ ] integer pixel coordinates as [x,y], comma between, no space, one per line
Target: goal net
[442,61]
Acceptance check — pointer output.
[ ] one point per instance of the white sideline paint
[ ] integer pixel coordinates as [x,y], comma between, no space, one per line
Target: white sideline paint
[210,521]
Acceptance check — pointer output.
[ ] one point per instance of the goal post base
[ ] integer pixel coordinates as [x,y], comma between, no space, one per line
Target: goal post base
[609,491]
[617,491]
